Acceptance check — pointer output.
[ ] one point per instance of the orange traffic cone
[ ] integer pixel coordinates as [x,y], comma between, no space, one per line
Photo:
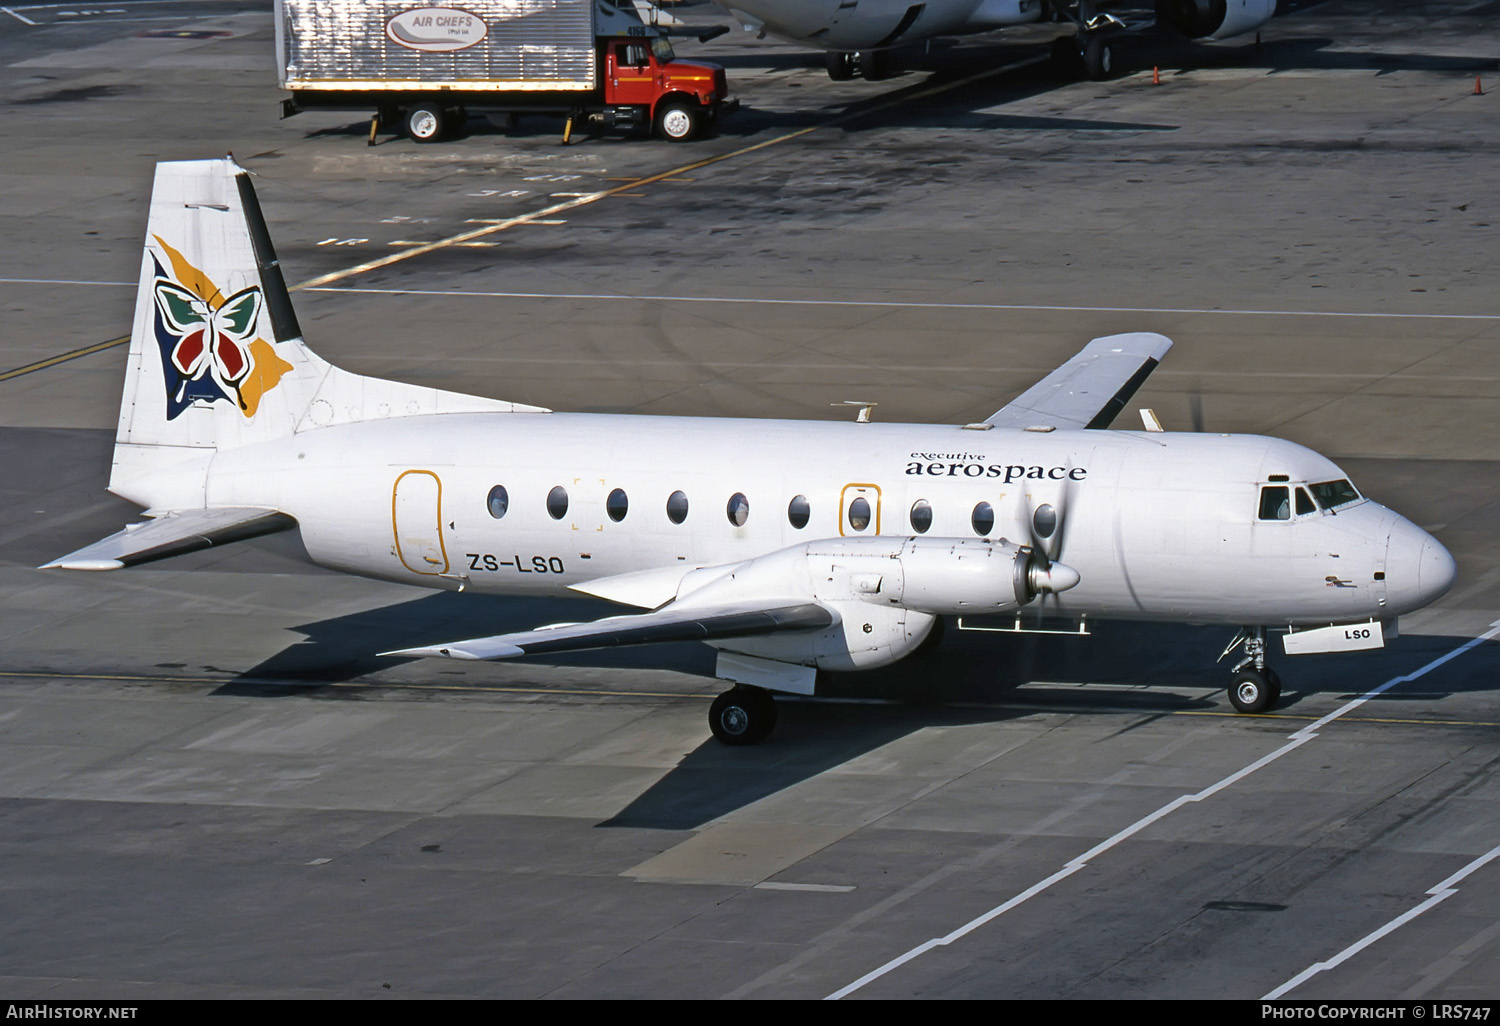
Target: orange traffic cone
[1156,76]
[1478,89]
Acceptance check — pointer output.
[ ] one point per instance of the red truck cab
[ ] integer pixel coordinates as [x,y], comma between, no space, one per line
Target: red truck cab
[681,98]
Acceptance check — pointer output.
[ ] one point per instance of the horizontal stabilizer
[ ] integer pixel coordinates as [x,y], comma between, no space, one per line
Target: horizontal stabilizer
[1091,389]
[173,533]
[671,624]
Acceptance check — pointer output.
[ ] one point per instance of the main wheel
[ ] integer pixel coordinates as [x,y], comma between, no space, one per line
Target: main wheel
[1274,680]
[426,122]
[1251,692]
[1098,58]
[840,65]
[742,715]
[677,121]
[875,65]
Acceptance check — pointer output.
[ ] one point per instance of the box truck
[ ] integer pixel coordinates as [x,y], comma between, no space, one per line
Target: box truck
[425,69]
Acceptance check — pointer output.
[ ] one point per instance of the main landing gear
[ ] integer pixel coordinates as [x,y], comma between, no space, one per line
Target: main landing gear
[1092,49]
[743,715]
[874,65]
[1253,686]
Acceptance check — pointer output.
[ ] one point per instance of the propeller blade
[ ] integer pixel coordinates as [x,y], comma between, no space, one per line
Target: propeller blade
[1195,407]
[1047,525]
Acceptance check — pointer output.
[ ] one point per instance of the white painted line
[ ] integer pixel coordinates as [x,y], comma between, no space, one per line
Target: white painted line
[1440,893]
[1294,742]
[772,885]
[61,281]
[889,304]
[897,304]
[16,16]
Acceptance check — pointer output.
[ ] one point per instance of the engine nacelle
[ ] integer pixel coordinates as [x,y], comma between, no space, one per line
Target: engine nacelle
[1214,19]
[886,593]
[957,576]
[993,14]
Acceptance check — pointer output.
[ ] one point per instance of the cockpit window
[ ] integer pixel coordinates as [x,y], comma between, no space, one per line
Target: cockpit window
[1276,503]
[1333,494]
[1304,503]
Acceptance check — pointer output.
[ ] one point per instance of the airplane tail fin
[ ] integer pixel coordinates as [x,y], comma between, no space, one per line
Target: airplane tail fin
[217,359]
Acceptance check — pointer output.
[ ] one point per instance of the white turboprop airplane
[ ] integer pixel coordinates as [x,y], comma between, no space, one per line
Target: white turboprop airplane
[857,34]
[789,546]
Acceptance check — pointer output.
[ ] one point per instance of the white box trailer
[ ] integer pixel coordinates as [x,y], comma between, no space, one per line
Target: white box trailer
[425,67]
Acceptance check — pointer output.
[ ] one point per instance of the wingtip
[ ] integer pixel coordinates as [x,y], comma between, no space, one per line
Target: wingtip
[82,564]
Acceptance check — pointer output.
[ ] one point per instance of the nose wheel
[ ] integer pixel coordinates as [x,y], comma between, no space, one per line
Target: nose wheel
[743,715]
[1253,686]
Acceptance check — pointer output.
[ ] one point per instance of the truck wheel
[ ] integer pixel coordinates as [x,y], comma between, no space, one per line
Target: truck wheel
[677,121]
[426,123]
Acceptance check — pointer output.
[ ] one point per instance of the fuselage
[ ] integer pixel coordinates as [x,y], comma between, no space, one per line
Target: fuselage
[841,25]
[1159,526]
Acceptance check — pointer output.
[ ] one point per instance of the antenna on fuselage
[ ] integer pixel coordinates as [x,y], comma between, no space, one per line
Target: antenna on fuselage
[864,408]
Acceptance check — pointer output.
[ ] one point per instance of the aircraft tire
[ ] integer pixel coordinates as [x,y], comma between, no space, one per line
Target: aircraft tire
[840,65]
[1098,58]
[1251,692]
[1274,679]
[875,65]
[426,122]
[742,715]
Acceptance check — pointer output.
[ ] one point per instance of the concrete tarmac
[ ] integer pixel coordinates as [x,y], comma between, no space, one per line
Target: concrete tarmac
[211,787]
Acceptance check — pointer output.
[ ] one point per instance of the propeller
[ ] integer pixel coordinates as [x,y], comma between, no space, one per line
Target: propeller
[1047,525]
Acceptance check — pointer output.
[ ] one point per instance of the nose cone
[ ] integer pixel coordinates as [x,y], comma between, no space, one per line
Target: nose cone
[1418,568]
[1055,578]
[1435,569]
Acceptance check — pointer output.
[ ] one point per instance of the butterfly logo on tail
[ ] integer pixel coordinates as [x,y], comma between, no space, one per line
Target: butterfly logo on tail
[210,349]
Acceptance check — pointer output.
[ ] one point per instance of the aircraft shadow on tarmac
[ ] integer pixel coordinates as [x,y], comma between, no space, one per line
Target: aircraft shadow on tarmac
[969,678]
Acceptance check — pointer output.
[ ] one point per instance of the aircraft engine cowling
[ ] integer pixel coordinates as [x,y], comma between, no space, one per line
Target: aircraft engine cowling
[954,576]
[886,593]
[1214,19]
[993,14]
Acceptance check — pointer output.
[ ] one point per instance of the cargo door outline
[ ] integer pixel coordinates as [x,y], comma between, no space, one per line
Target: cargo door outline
[850,492]
[416,521]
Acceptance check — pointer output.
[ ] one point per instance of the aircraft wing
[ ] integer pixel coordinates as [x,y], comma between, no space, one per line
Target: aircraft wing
[172,533]
[671,624]
[1092,388]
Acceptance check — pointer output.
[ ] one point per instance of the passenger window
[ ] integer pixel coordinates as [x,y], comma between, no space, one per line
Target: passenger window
[557,502]
[798,512]
[859,513]
[921,516]
[617,505]
[738,509]
[1276,503]
[1304,503]
[983,519]
[677,507]
[498,501]
[1044,520]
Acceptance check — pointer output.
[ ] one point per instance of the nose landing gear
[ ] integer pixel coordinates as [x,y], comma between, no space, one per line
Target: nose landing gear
[1254,687]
